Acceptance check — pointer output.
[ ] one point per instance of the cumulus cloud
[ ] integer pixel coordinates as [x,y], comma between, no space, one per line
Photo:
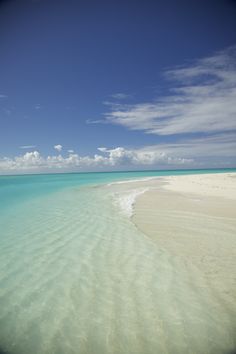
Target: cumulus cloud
[58,147]
[28,161]
[70,151]
[213,151]
[202,99]
[116,157]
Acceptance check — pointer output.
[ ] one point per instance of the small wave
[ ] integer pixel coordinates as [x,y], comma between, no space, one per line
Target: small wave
[126,200]
[131,181]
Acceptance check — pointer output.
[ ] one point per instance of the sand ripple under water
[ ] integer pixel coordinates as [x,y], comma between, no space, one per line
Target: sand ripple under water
[76,276]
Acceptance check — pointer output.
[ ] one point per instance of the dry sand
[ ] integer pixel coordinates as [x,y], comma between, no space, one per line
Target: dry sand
[194,218]
[207,185]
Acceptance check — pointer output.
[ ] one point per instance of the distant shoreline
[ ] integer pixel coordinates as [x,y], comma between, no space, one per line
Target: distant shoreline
[214,170]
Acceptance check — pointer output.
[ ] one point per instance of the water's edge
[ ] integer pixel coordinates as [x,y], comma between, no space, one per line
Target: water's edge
[76,276]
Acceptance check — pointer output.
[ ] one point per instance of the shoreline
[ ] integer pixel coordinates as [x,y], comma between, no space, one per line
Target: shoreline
[182,213]
[203,185]
[76,272]
[191,220]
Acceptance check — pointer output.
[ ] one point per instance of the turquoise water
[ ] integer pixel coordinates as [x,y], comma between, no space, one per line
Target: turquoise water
[15,189]
[76,276]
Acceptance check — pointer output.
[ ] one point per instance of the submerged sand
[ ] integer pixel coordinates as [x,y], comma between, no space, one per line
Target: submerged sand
[79,274]
[193,219]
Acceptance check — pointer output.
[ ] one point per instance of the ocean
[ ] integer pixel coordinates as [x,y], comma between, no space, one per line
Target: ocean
[77,276]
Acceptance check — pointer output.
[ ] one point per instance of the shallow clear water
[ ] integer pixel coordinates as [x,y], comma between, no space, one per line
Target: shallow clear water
[76,276]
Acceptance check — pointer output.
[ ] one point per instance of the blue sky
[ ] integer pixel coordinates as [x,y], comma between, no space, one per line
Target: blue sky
[106,85]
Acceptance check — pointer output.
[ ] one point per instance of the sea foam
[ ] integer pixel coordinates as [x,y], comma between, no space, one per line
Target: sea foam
[131,181]
[126,200]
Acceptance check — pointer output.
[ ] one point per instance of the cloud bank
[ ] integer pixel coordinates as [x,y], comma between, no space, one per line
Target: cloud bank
[111,158]
[58,147]
[214,151]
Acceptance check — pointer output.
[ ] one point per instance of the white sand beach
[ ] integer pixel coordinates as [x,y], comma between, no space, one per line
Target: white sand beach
[193,219]
[209,185]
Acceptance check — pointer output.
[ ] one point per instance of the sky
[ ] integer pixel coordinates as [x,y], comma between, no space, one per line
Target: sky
[117,85]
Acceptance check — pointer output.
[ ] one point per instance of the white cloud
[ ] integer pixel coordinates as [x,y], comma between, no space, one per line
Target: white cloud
[27,162]
[120,96]
[70,151]
[3,96]
[117,157]
[202,100]
[214,151]
[102,149]
[58,147]
[27,146]
[91,121]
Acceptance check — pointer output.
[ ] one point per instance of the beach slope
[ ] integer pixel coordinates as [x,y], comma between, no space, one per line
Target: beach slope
[193,218]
